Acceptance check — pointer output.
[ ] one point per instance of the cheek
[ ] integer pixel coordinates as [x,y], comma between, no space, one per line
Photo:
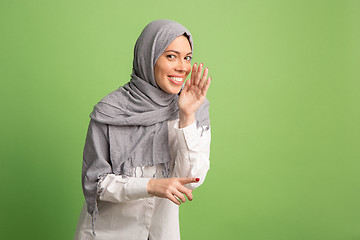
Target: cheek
[159,69]
[165,68]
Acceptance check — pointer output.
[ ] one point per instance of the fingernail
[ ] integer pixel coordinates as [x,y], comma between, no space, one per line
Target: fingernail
[197,179]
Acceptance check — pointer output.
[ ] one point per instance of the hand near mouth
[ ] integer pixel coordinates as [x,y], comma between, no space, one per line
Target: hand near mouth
[193,95]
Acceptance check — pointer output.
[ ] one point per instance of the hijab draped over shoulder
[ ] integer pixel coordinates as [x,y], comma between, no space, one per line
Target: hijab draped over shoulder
[136,114]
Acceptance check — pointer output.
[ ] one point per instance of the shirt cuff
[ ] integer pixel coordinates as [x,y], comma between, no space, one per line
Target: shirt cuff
[116,188]
[137,188]
[188,137]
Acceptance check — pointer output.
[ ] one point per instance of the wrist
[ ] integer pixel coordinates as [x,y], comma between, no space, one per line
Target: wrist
[148,186]
[186,119]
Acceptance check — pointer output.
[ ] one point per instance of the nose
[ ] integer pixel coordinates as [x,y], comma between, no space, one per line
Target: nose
[181,66]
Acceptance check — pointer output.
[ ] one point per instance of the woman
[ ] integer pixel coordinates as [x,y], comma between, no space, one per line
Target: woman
[147,145]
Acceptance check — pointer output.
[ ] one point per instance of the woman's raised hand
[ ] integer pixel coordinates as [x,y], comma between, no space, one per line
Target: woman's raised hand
[193,95]
[171,188]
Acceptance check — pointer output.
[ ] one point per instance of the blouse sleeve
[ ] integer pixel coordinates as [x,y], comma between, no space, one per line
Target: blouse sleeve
[120,189]
[98,178]
[192,158]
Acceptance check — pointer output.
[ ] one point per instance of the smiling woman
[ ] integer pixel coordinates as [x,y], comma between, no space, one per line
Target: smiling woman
[173,66]
[137,165]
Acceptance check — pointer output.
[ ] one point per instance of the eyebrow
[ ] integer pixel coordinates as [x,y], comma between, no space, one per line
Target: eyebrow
[176,52]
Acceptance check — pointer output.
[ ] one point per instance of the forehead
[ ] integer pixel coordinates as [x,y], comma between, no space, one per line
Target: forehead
[180,44]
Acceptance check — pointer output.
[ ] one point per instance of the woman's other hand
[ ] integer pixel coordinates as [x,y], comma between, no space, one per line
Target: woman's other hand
[171,188]
[193,95]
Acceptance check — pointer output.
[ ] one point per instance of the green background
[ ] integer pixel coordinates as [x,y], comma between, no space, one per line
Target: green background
[284,109]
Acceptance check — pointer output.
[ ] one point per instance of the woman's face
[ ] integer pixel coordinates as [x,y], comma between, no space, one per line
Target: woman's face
[173,66]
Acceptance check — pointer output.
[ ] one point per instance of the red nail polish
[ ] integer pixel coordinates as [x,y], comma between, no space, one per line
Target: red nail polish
[197,179]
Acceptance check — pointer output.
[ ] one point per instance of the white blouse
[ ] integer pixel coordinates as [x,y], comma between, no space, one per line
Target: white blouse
[128,212]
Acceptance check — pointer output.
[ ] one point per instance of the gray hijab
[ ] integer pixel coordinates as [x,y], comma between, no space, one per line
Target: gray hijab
[137,113]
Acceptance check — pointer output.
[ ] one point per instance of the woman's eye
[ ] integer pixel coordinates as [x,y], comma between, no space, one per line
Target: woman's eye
[170,56]
[188,58]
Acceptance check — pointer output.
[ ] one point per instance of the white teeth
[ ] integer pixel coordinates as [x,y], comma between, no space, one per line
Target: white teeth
[176,79]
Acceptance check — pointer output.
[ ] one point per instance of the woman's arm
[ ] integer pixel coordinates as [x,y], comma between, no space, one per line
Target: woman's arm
[191,165]
[120,189]
[98,179]
[100,183]
[194,143]
[192,158]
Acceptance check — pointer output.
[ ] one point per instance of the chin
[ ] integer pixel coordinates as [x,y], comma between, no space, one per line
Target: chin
[172,90]
[176,91]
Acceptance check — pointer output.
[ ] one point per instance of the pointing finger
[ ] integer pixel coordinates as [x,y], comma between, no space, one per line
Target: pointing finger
[184,181]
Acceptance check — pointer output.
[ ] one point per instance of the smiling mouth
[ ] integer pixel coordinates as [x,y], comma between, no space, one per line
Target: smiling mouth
[176,80]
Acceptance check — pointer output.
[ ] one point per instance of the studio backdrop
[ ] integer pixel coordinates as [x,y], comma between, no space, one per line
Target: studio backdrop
[284,109]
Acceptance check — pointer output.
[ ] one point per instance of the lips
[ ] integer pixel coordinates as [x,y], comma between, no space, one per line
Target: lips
[176,79]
